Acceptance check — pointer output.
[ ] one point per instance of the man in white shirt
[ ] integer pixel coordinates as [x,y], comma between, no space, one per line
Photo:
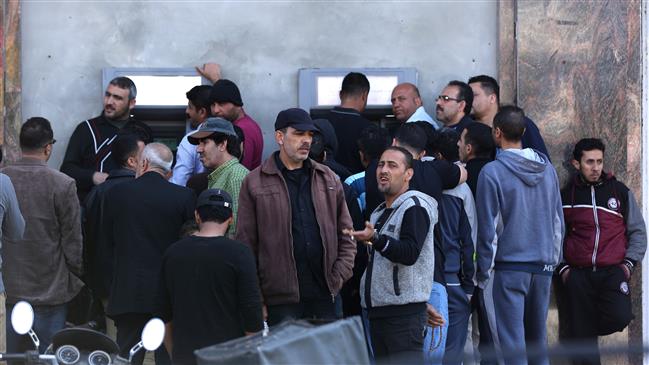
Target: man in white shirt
[407,105]
[187,159]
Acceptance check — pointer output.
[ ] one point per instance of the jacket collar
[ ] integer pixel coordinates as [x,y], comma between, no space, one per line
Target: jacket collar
[270,166]
[579,180]
[30,161]
[121,172]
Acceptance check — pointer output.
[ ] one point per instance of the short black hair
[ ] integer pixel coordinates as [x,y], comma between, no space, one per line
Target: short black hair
[407,156]
[479,136]
[465,93]
[587,144]
[141,133]
[125,83]
[200,97]
[188,228]
[373,141]
[430,135]
[510,120]
[413,136]
[446,144]
[233,147]
[35,133]
[354,84]
[210,213]
[488,84]
[124,146]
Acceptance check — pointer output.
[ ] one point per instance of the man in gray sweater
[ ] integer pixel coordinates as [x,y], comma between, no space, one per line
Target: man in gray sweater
[520,230]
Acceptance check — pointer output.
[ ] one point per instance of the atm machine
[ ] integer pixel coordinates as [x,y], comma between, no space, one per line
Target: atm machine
[160,100]
[319,87]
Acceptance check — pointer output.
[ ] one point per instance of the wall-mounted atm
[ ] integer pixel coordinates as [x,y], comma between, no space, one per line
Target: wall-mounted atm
[319,90]
[161,100]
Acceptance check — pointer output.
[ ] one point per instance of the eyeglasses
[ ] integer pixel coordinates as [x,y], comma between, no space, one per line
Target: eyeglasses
[446,98]
[53,141]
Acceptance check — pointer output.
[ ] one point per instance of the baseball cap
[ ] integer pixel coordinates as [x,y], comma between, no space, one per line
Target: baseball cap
[225,91]
[214,198]
[210,126]
[296,118]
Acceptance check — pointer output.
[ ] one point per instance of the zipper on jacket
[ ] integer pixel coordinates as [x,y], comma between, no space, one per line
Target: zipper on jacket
[592,196]
[395,280]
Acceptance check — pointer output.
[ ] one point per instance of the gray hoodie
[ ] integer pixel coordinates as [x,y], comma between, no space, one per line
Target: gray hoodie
[520,218]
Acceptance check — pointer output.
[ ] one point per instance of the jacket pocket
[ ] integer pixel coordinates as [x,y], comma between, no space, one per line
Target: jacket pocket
[395,280]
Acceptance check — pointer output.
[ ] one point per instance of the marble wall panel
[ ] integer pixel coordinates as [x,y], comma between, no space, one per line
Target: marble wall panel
[578,73]
[12,76]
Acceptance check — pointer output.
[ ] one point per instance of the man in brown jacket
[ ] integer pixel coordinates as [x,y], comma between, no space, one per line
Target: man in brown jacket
[291,213]
[43,268]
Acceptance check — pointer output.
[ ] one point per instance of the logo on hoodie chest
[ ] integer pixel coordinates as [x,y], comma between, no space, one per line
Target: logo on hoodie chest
[613,204]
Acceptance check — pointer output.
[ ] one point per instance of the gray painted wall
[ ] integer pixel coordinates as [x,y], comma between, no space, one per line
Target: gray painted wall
[260,45]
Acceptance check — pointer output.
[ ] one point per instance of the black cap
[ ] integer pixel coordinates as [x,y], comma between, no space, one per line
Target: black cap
[214,198]
[296,118]
[225,91]
[210,126]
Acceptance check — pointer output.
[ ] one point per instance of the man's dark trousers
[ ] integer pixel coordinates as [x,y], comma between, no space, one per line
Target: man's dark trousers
[597,303]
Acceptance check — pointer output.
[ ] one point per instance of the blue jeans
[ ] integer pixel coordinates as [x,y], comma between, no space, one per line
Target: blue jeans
[48,319]
[435,340]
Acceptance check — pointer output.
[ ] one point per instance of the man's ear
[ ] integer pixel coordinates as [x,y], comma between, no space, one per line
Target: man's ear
[279,137]
[575,164]
[131,104]
[409,172]
[418,101]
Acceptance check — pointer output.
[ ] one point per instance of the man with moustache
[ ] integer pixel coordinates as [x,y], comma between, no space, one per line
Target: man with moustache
[292,212]
[407,105]
[399,277]
[227,104]
[454,106]
[87,158]
[219,149]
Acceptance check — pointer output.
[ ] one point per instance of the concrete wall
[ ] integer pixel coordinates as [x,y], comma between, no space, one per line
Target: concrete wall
[260,45]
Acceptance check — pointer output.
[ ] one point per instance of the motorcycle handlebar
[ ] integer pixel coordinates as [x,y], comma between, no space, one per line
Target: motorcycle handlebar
[30,357]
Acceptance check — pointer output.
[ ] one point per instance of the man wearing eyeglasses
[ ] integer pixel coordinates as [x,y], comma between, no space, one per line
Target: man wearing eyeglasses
[42,268]
[407,105]
[454,106]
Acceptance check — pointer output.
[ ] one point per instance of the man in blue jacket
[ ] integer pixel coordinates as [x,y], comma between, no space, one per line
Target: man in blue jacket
[520,230]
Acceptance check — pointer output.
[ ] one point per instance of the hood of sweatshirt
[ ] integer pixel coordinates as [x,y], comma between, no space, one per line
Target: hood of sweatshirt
[528,164]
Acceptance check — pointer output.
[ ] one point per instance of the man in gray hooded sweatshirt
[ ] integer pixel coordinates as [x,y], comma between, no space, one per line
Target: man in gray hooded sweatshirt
[520,231]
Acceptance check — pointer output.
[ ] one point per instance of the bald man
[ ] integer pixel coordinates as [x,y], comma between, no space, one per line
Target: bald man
[142,217]
[407,105]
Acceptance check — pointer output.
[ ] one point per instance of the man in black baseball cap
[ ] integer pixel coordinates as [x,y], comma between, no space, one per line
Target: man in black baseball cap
[303,256]
[210,291]
[226,103]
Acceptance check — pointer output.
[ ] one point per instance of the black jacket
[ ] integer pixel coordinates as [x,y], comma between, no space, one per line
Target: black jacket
[89,150]
[97,259]
[142,218]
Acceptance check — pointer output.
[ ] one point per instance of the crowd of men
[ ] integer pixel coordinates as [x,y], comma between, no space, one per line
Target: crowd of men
[418,230]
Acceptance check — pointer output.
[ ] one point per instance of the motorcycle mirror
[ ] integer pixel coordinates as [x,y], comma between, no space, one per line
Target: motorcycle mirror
[22,317]
[153,334]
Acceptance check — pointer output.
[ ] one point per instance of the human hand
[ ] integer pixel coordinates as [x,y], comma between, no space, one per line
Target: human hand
[210,71]
[365,235]
[564,275]
[627,271]
[99,177]
[435,319]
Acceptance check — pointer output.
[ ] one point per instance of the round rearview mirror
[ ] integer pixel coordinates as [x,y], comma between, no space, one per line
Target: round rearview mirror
[22,317]
[153,334]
